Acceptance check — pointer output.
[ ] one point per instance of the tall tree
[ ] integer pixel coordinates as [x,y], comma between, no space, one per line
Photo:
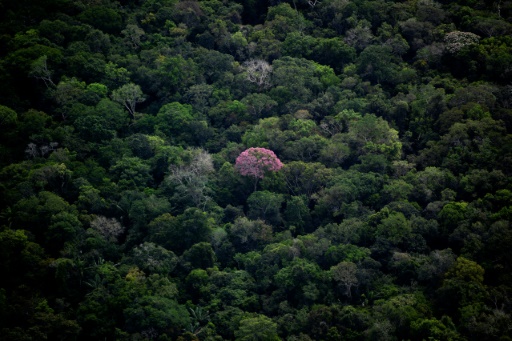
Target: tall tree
[129,95]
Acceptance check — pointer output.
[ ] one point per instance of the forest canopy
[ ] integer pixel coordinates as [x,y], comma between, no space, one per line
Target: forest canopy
[255,170]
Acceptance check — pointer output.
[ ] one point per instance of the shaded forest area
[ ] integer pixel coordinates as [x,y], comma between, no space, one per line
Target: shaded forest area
[384,212]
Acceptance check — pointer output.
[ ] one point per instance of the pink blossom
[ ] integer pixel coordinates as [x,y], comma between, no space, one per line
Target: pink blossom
[255,162]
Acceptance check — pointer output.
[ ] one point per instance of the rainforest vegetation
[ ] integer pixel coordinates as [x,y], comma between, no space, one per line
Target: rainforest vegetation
[255,170]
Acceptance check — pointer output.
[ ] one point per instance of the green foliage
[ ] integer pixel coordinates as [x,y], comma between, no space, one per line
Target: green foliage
[266,206]
[156,312]
[129,95]
[200,255]
[154,259]
[179,124]
[248,234]
[8,117]
[257,328]
[372,135]
[297,214]
[103,18]
[122,216]
[131,172]
[463,288]
[179,233]
[433,328]
[394,228]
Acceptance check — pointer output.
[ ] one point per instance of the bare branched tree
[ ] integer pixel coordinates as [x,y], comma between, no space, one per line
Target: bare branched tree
[44,150]
[258,72]
[313,3]
[191,179]
[31,150]
[109,228]
[345,274]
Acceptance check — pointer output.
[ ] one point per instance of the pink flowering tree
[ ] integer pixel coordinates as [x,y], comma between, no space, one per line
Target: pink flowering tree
[256,162]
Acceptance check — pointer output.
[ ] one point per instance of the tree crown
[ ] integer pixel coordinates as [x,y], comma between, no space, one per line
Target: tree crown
[256,162]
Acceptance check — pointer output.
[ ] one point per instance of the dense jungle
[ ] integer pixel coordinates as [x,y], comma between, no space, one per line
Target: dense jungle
[288,170]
